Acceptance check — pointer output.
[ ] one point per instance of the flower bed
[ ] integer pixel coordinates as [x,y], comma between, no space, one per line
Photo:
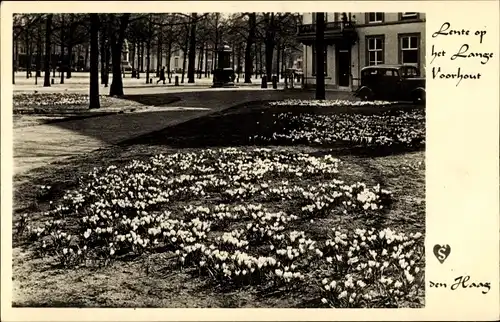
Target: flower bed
[238,218]
[54,102]
[329,103]
[395,128]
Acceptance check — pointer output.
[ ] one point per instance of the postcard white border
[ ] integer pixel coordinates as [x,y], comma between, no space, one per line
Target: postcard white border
[462,167]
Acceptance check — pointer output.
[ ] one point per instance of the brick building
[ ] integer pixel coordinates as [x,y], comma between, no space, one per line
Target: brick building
[354,40]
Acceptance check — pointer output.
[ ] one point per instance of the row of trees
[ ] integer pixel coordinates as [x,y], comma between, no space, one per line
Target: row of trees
[262,40]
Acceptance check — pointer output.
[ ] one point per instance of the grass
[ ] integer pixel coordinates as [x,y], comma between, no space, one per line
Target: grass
[32,109]
[146,281]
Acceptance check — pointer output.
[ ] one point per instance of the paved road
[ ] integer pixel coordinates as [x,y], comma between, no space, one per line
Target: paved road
[131,85]
[35,146]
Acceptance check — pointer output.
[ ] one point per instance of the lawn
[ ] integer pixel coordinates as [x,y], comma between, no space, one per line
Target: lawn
[35,108]
[256,206]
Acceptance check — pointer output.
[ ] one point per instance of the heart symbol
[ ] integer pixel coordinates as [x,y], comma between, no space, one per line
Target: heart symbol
[442,252]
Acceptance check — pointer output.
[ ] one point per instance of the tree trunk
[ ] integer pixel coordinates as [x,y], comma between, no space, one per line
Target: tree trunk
[159,58]
[61,66]
[184,56]
[79,54]
[200,61]
[257,67]
[239,60]
[232,56]
[70,59]
[148,49]
[14,62]
[15,58]
[192,49]
[103,56]
[28,54]
[63,58]
[142,57]
[148,59]
[86,60]
[70,45]
[169,57]
[214,62]
[48,34]
[54,61]
[320,56]
[17,55]
[116,53]
[269,53]
[38,59]
[216,44]
[106,63]
[94,62]
[261,59]
[206,61]
[278,52]
[283,60]
[269,45]
[159,54]
[133,55]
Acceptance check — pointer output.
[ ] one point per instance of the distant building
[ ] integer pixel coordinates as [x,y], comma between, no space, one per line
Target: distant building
[81,60]
[354,40]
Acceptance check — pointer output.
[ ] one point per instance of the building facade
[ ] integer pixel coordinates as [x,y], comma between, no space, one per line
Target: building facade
[80,58]
[354,40]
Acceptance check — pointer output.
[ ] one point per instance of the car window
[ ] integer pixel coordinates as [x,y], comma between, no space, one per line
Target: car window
[390,72]
[410,72]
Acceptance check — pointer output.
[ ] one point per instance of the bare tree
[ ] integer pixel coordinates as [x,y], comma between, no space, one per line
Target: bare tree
[62,66]
[185,52]
[252,25]
[94,61]
[320,56]
[192,49]
[116,87]
[48,35]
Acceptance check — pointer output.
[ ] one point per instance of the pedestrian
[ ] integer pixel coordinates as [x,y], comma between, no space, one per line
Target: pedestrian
[162,76]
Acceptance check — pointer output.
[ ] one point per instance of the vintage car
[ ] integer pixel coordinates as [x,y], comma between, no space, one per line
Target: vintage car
[391,83]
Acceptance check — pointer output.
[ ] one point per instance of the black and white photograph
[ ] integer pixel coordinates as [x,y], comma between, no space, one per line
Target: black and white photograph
[219,159]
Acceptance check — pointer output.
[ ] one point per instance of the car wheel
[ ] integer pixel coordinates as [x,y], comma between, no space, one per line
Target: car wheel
[366,95]
[419,98]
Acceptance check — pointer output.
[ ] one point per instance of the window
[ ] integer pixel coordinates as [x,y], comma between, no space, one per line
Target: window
[409,49]
[176,62]
[314,60]
[375,50]
[409,15]
[374,17]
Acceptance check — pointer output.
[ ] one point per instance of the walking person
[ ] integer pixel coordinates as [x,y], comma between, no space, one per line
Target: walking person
[162,76]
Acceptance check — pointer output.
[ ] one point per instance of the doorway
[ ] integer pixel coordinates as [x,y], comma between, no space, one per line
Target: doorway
[343,67]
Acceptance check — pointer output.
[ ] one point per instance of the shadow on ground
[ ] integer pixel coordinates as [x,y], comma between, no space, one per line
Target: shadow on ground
[118,127]
[238,125]
[153,99]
